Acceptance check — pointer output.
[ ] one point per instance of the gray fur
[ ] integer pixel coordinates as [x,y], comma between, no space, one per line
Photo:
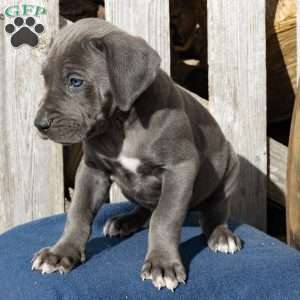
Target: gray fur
[128,107]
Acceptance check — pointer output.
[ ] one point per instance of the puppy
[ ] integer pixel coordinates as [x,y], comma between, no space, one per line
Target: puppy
[105,88]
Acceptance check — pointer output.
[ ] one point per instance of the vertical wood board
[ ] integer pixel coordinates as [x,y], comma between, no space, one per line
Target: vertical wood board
[293,170]
[237,91]
[31,173]
[293,179]
[298,39]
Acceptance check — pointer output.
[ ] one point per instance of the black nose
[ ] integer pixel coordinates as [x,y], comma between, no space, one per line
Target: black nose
[42,124]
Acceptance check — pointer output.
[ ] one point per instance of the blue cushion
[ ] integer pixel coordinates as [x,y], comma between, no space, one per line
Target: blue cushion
[264,269]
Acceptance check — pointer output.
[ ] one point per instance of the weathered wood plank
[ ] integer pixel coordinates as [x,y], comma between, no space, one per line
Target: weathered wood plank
[148,19]
[293,172]
[31,177]
[293,179]
[277,168]
[298,38]
[237,90]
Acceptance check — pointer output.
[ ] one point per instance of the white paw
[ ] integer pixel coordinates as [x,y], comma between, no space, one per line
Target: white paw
[168,276]
[223,240]
[47,261]
[46,268]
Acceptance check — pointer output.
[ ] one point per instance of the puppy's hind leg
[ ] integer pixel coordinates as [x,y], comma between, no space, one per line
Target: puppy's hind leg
[126,224]
[214,217]
[214,225]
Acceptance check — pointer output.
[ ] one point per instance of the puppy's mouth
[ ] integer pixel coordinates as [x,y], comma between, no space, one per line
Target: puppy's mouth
[45,137]
[68,131]
[65,132]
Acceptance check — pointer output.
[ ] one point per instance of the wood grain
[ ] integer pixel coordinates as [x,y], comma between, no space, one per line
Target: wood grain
[31,176]
[148,19]
[277,168]
[293,172]
[237,91]
[293,179]
[298,39]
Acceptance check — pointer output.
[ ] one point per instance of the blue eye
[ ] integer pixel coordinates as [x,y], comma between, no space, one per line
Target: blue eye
[75,82]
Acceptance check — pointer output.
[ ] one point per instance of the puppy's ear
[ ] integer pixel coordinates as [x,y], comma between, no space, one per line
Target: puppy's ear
[132,66]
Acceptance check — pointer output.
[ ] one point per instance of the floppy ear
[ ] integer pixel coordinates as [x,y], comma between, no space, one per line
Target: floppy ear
[132,67]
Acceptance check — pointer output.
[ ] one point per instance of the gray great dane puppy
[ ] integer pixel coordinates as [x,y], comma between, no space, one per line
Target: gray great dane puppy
[105,89]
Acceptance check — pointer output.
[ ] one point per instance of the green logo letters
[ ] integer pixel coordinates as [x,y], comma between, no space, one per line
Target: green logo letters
[24,10]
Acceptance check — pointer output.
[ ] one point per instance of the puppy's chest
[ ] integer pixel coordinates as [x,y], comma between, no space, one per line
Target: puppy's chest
[138,179]
[129,165]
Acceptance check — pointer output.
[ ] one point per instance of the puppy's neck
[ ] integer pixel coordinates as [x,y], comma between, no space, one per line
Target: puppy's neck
[154,98]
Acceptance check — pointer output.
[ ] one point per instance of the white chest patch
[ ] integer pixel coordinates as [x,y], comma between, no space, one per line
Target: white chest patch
[129,163]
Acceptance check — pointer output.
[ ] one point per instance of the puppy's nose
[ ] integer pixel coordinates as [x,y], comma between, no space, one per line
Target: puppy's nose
[42,124]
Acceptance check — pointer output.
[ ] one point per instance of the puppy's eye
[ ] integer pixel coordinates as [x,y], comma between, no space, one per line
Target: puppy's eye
[75,82]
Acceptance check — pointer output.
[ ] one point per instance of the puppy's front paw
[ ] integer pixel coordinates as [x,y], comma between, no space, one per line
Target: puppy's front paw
[163,271]
[53,259]
[223,240]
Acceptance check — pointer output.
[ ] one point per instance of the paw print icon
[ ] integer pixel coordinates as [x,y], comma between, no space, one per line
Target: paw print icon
[24,31]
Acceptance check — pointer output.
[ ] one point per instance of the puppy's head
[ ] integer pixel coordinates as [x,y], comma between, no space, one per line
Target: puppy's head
[92,68]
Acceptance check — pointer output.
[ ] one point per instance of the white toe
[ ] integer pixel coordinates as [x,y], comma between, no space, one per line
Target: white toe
[47,269]
[159,282]
[222,247]
[232,247]
[36,264]
[171,284]
[105,228]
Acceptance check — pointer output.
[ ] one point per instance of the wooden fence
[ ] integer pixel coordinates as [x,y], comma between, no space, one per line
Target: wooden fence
[31,183]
